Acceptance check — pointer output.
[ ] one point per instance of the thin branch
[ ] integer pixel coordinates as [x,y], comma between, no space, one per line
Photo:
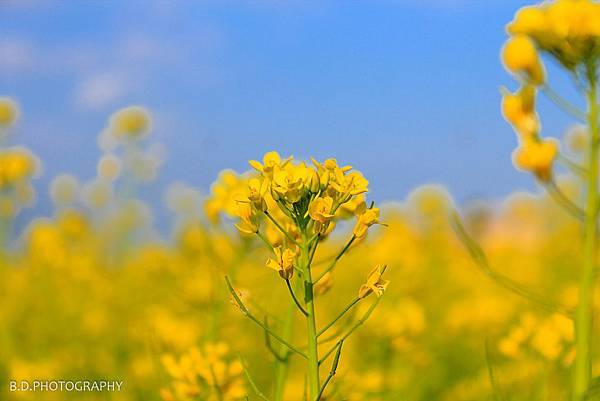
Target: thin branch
[496,389]
[481,260]
[356,325]
[333,370]
[270,346]
[251,381]
[563,103]
[559,197]
[291,290]
[249,315]
[334,261]
[571,165]
[334,321]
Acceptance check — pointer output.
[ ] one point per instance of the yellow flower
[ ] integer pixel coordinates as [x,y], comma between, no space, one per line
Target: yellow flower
[291,182]
[366,218]
[257,190]
[131,122]
[271,160]
[375,283]
[248,220]
[9,112]
[320,209]
[528,20]
[283,262]
[520,56]
[519,110]
[537,157]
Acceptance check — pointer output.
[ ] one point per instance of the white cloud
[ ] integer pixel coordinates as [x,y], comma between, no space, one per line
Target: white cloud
[99,91]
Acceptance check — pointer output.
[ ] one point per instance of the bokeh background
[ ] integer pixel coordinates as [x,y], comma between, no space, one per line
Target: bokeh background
[406,90]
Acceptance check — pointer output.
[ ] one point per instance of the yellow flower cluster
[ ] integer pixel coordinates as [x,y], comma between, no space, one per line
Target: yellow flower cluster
[551,337]
[208,374]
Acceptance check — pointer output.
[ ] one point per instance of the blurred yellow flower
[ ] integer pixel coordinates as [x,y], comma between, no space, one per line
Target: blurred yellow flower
[131,122]
[9,112]
[537,157]
[521,57]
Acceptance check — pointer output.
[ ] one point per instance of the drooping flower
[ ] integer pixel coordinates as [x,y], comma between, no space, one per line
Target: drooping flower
[374,284]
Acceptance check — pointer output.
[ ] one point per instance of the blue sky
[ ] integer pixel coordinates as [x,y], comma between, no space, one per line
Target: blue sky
[405,91]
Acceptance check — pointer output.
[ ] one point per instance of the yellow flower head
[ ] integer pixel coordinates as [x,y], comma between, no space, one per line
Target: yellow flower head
[9,112]
[366,218]
[131,122]
[257,189]
[375,283]
[17,165]
[320,209]
[283,262]
[519,110]
[521,57]
[271,160]
[291,182]
[537,157]
[568,30]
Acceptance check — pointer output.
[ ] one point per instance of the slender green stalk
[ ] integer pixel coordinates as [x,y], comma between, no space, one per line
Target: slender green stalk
[583,316]
[311,325]
[251,381]
[338,257]
[346,309]
[356,325]
[561,199]
[291,290]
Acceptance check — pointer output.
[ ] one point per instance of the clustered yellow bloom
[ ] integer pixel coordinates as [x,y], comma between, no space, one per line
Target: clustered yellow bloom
[569,30]
[550,337]
[208,375]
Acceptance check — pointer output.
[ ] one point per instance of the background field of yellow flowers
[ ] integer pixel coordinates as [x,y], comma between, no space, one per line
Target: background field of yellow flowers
[126,199]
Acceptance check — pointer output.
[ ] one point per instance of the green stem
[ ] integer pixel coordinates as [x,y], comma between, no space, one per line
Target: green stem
[291,290]
[334,321]
[583,316]
[311,325]
[334,261]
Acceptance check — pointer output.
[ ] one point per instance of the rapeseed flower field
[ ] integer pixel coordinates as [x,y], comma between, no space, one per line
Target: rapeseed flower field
[286,282]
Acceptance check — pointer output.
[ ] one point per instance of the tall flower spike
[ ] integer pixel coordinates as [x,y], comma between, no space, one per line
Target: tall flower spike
[374,284]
